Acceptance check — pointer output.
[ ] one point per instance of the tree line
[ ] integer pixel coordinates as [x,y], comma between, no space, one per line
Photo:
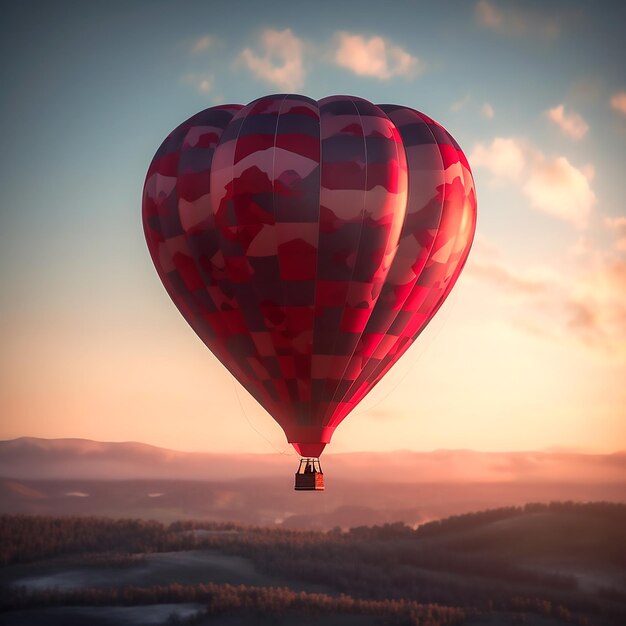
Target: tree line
[224,598]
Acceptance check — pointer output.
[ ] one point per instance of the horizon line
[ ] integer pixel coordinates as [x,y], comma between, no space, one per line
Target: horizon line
[548,450]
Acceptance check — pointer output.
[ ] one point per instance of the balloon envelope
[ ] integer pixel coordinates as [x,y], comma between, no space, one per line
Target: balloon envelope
[308,244]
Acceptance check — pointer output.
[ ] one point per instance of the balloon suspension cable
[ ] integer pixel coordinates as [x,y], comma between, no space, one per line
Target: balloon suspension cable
[285,451]
[425,346]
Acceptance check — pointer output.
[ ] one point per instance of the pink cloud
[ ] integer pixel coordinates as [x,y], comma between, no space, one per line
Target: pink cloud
[504,277]
[504,158]
[557,187]
[596,307]
[571,124]
[202,44]
[512,20]
[487,111]
[618,226]
[618,102]
[201,82]
[374,57]
[586,307]
[280,62]
[552,184]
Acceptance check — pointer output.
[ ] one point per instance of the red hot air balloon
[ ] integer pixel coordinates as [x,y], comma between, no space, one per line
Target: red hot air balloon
[308,244]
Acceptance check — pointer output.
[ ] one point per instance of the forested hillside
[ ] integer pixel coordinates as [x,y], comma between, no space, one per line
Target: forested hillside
[562,561]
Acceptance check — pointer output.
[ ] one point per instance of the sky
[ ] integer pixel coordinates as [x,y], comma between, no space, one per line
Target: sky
[529,351]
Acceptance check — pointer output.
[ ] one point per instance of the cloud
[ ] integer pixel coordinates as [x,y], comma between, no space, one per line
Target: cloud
[460,104]
[552,184]
[486,264]
[582,316]
[618,102]
[504,158]
[374,57]
[201,82]
[484,248]
[596,307]
[488,15]
[572,124]
[202,44]
[281,57]
[281,60]
[487,111]
[512,20]
[618,226]
[582,247]
[556,187]
[504,277]
[586,307]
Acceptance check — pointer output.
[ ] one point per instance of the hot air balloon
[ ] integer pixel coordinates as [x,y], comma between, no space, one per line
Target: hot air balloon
[308,243]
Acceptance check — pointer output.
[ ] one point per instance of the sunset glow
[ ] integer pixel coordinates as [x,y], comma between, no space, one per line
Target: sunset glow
[529,351]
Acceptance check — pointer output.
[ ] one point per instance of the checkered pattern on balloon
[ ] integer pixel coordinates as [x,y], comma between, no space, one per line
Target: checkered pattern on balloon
[308,244]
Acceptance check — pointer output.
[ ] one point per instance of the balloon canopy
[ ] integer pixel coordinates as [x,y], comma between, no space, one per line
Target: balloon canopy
[308,243]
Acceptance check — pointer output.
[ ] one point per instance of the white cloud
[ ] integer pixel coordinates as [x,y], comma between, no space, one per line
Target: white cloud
[504,158]
[618,102]
[280,61]
[201,44]
[572,124]
[374,57]
[487,111]
[513,20]
[552,184]
[556,187]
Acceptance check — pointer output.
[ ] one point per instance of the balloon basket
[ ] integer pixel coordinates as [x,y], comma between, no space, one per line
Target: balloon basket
[309,476]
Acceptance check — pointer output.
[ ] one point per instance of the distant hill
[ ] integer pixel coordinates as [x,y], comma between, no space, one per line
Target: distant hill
[79,477]
[33,458]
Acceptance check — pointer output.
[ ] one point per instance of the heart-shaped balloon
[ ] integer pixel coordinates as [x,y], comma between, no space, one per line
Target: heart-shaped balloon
[308,244]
